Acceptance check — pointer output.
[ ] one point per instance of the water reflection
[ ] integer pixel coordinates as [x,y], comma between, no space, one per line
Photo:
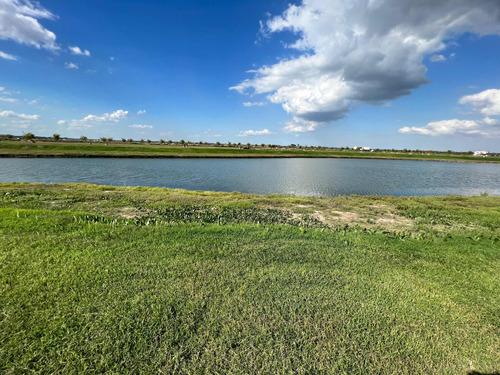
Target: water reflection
[304,177]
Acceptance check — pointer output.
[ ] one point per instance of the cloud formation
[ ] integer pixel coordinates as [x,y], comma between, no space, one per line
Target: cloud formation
[437,58]
[141,112]
[21,116]
[141,126]
[247,133]
[254,104]
[484,103]
[77,51]
[7,56]
[19,22]
[91,120]
[71,65]
[360,52]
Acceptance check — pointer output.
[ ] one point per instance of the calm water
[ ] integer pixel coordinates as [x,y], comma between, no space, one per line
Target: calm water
[304,177]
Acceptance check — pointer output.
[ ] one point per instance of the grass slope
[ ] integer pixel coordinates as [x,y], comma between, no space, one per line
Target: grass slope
[78,149]
[98,279]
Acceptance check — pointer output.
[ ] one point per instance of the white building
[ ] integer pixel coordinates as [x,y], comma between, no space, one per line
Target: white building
[481,153]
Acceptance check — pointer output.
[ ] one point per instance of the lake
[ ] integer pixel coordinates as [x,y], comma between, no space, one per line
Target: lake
[303,177]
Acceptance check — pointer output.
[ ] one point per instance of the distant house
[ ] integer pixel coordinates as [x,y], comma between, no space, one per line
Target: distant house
[481,153]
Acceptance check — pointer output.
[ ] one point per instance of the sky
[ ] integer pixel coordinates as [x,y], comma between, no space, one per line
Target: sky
[378,73]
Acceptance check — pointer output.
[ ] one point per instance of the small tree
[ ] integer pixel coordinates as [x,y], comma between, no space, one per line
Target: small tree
[149,141]
[84,138]
[218,144]
[142,140]
[182,141]
[56,137]
[162,141]
[28,136]
[104,139]
[170,141]
[130,140]
[110,139]
[124,140]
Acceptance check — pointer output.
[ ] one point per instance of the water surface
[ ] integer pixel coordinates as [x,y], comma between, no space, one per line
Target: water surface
[303,177]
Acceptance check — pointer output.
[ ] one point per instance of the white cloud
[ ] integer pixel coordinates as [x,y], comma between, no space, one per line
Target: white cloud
[77,51]
[141,126]
[91,120]
[360,52]
[19,22]
[71,65]
[247,133]
[437,58]
[486,102]
[8,100]
[112,58]
[7,56]
[254,104]
[21,116]
[300,126]
[486,127]
[141,112]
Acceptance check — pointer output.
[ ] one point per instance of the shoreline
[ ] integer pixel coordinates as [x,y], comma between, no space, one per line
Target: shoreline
[135,156]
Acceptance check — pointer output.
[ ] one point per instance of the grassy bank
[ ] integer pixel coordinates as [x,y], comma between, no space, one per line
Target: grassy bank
[124,150]
[145,280]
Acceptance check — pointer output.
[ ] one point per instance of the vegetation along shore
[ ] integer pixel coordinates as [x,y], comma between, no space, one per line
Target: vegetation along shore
[107,147]
[102,279]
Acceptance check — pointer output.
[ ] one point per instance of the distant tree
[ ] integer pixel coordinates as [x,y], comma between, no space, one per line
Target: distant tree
[110,139]
[162,141]
[124,140]
[248,144]
[104,139]
[84,138]
[149,141]
[170,142]
[218,144]
[228,144]
[142,140]
[130,140]
[56,137]
[28,136]
[449,152]
[182,141]
[239,144]
[262,145]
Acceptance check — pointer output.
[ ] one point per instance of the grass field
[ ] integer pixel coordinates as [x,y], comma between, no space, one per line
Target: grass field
[115,149]
[100,279]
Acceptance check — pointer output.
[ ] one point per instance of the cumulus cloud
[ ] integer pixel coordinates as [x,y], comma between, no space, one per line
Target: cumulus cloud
[247,133]
[77,51]
[71,65]
[254,104]
[7,56]
[19,22]
[91,120]
[141,112]
[437,58]
[141,126]
[356,52]
[21,116]
[484,103]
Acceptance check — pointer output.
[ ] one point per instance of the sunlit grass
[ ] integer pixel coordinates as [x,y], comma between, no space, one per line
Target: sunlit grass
[85,289]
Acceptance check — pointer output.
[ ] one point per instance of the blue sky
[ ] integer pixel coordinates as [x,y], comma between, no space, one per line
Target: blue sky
[385,73]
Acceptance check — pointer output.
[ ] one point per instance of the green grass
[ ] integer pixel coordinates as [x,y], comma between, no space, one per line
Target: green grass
[99,279]
[115,149]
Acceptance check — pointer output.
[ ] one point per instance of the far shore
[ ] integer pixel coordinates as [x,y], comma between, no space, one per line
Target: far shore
[64,149]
